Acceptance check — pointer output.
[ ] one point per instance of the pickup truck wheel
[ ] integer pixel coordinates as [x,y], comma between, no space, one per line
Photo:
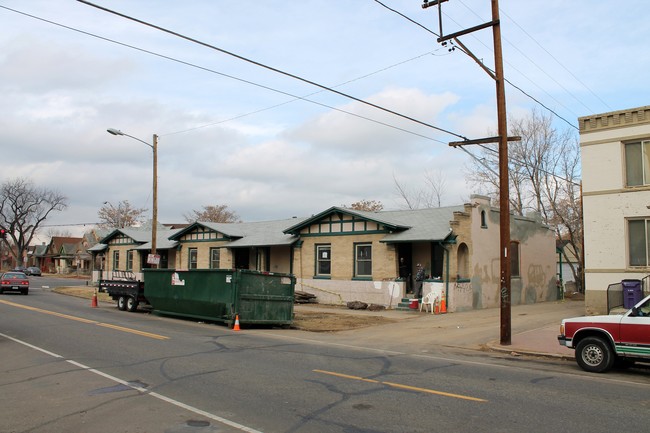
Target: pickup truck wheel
[121,303]
[594,354]
[131,304]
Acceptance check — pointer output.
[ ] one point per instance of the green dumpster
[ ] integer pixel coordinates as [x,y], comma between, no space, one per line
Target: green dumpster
[222,294]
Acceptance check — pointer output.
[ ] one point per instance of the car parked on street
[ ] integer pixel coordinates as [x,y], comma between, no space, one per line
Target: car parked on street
[19,269]
[14,281]
[33,270]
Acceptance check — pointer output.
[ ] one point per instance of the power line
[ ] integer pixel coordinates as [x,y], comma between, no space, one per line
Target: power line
[508,81]
[520,163]
[295,97]
[530,80]
[531,60]
[271,68]
[315,93]
[558,62]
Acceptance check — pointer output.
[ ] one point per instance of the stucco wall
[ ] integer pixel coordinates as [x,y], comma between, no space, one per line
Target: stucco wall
[339,292]
[537,258]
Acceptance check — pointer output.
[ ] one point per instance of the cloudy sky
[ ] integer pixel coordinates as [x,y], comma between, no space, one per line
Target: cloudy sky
[270,146]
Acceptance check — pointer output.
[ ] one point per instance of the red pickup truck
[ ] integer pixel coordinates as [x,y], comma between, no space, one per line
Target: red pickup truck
[599,341]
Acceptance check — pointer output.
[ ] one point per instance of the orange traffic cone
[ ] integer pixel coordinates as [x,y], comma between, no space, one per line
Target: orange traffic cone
[93,304]
[236,327]
[443,306]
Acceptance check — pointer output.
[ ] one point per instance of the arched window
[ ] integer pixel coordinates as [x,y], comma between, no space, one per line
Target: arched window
[462,261]
[483,220]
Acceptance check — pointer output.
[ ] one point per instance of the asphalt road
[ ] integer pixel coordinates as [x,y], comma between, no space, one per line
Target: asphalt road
[68,367]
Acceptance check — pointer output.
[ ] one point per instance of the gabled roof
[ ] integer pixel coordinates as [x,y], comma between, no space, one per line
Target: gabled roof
[249,234]
[69,249]
[425,224]
[371,216]
[406,225]
[40,250]
[142,235]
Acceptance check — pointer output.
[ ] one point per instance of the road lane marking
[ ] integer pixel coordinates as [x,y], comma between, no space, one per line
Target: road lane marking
[140,389]
[87,321]
[133,331]
[400,386]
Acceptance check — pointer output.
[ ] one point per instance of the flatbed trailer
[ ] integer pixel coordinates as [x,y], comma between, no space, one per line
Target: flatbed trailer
[125,290]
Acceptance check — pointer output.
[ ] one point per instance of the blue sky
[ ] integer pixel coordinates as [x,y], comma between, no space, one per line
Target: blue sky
[264,153]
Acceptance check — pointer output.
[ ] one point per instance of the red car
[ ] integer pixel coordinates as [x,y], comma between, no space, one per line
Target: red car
[14,281]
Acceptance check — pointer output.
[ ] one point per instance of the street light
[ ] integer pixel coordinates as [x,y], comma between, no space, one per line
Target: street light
[154,147]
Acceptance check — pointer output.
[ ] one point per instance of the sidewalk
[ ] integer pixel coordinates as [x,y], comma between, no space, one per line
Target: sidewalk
[534,329]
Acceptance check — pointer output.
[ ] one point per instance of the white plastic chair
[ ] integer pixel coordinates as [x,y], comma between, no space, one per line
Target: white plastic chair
[429,301]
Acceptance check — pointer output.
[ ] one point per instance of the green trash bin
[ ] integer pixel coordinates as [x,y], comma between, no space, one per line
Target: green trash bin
[222,294]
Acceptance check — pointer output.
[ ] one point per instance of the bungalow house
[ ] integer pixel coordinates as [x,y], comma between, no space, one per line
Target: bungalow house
[261,246]
[615,151]
[63,254]
[346,255]
[342,255]
[126,249]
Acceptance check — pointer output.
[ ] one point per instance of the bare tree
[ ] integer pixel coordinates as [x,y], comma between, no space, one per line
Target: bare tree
[52,233]
[543,169]
[124,215]
[366,205]
[216,214]
[430,195]
[23,208]
[411,199]
[437,184]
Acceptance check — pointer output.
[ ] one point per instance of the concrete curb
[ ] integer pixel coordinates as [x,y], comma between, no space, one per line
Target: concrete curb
[497,347]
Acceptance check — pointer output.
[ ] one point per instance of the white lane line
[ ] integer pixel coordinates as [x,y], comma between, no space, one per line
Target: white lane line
[140,389]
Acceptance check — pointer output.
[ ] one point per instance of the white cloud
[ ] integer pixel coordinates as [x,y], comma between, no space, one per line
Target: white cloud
[62,89]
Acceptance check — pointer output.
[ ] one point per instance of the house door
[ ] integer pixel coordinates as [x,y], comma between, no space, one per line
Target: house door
[242,258]
[405,263]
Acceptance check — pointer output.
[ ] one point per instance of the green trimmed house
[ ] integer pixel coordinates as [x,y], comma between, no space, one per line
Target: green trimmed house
[343,255]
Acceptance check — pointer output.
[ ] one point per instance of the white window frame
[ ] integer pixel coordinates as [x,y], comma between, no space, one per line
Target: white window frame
[323,255]
[192,258]
[215,261]
[362,256]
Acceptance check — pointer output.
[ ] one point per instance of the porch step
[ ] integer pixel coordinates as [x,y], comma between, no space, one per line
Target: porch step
[404,305]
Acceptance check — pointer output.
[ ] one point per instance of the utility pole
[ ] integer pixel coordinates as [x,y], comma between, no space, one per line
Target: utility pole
[502,139]
[154,227]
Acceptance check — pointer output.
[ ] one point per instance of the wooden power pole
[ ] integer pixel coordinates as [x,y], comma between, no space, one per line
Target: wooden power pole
[502,139]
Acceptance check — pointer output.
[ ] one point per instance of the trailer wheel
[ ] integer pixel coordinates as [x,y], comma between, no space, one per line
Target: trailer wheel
[121,303]
[131,304]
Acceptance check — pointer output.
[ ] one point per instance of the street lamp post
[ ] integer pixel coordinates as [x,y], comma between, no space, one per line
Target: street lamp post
[154,147]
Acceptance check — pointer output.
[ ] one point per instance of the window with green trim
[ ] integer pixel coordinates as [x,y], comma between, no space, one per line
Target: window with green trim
[324,260]
[116,260]
[192,258]
[129,260]
[215,255]
[363,260]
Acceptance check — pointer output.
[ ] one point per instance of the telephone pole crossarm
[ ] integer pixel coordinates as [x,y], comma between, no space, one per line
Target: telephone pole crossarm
[482,141]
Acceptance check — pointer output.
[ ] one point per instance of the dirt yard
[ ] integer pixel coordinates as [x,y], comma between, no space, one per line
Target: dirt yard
[313,321]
